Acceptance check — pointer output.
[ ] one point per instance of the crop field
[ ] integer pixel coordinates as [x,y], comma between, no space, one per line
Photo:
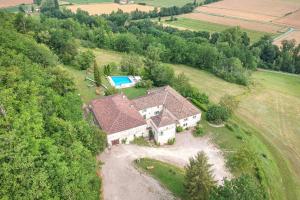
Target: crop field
[271,106]
[11,3]
[228,21]
[292,20]
[107,8]
[257,10]
[165,3]
[294,35]
[88,1]
[198,25]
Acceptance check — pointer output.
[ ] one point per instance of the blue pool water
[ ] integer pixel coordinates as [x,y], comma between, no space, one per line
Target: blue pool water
[119,80]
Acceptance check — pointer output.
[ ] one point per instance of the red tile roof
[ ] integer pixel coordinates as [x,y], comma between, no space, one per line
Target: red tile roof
[176,104]
[163,119]
[116,113]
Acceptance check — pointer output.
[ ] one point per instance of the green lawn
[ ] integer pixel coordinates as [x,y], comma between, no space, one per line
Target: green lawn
[165,3]
[85,89]
[88,1]
[198,25]
[272,107]
[168,175]
[133,92]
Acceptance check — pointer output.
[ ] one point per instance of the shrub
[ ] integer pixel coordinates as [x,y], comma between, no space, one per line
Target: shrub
[144,84]
[217,114]
[171,141]
[141,141]
[179,129]
[84,59]
[199,105]
[111,91]
[199,131]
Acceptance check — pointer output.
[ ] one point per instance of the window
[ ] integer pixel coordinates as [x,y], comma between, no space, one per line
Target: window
[161,133]
[194,117]
[156,112]
[185,124]
[144,116]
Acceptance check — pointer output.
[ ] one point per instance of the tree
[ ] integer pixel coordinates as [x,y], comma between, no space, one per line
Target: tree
[217,114]
[84,59]
[162,75]
[199,181]
[244,187]
[107,69]
[132,64]
[97,74]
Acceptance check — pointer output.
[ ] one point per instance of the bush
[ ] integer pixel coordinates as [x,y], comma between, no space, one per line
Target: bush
[171,141]
[179,129]
[199,105]
[199,131]
[111,91]
[144,84]
[84,59]
[217,114]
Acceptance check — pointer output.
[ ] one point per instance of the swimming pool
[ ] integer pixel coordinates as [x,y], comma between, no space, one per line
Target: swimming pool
[123,81]
[120,80]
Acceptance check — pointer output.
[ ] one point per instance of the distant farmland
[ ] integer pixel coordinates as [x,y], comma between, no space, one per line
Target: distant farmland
[107,8]
[165,3]
[10,3]
[197,25]
[272,16]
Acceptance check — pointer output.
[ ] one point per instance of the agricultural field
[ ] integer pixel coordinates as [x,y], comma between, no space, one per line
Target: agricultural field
[256,10]
[294,35]
[165,3]
[11,3]
[255,15]
[198,25]
[271,106]
[107,8]
[88,1]
[245,24]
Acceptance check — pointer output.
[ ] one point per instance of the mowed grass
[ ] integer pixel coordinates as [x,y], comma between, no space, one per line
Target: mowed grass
[165,3]
[168,175]
[272,107]
[133,92]
[198,25]
[88,1]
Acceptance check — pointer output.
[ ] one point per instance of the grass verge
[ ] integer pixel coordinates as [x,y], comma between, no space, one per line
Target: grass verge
[168,175]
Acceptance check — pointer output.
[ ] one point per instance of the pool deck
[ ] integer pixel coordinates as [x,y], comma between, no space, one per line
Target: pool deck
[133,79]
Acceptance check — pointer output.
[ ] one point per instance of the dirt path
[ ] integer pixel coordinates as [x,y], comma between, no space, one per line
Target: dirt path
[122,181]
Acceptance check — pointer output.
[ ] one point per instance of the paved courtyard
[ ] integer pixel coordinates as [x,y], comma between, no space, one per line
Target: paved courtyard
[121,181]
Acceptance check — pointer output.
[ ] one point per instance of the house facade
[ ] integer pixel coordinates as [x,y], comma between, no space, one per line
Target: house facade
[161,111]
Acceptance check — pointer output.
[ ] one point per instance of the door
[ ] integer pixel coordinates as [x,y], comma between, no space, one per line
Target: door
[115,142]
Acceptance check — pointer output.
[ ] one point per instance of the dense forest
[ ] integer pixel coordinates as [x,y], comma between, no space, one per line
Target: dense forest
[47,149]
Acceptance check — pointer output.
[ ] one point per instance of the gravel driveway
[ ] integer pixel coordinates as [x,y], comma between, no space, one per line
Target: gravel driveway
[121,181]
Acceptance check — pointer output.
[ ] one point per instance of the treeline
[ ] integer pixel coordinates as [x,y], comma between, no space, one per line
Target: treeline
[167,11]
[285,58]
[227,54]
[47,149]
